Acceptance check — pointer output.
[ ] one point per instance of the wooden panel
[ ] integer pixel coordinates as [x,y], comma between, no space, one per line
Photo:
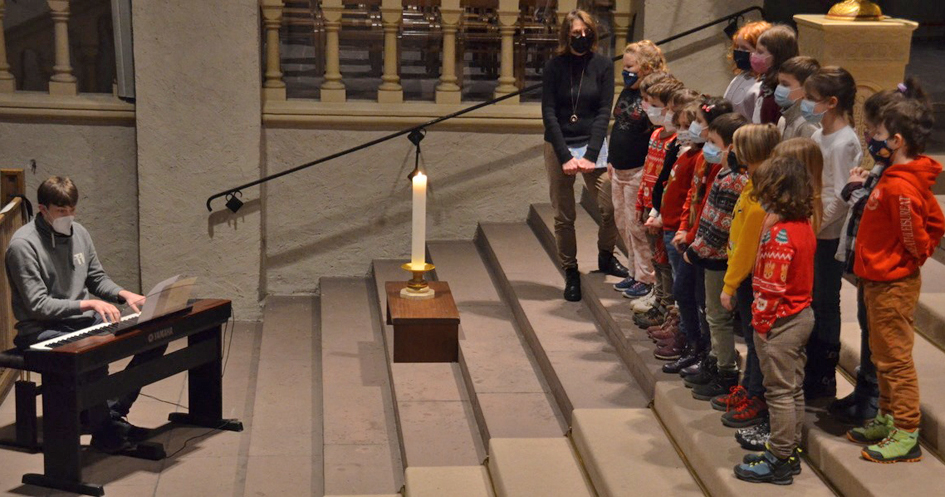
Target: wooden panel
[10,221]
[424,330]
[12,183]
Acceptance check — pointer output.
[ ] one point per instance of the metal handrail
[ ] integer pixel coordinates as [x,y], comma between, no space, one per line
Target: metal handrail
[232,192]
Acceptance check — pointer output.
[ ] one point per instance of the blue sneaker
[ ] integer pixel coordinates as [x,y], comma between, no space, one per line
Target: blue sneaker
[637,290]
[625,285]
[767,468]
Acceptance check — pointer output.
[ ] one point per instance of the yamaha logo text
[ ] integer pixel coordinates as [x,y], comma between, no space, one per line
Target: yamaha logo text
[160,334]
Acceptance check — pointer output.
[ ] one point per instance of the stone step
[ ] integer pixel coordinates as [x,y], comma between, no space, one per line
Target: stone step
[434,415]
[362,450]
[547,467]
[930,313]
[711,449]
[287,371]
[454,481]
[508,394]
[581,367]
[626,452]
[929,364]
[612,310]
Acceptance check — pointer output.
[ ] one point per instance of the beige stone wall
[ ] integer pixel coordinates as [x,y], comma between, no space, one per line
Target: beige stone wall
[101,161]
[699,60]
[334,218]
[197,76]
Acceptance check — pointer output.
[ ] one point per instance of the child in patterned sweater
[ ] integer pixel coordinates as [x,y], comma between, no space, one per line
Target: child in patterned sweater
[781,314]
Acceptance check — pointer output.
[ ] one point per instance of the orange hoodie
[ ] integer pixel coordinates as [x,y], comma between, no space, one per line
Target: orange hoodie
[902,222]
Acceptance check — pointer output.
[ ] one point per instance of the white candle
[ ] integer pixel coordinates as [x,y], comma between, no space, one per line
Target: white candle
[419,231]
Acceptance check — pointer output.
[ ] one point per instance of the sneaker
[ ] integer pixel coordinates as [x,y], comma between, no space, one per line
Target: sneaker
[572,285]
[643,304]
[751,412]
[726,402]
[873,431]
[609,264]
[769,468]
[689,357]
[795,458]
[656,315]
[625,285]
[637,290]
[754,437]
[721,382]
[899,446]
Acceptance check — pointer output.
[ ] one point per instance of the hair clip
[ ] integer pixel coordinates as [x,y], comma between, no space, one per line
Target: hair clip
[902,87]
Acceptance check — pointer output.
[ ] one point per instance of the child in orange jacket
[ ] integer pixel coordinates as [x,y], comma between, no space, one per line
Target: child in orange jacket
[902,224]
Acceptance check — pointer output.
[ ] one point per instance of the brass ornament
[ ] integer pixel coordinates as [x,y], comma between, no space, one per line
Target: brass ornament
[855,10]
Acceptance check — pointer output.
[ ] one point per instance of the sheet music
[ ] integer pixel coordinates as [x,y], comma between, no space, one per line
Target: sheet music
[153,298]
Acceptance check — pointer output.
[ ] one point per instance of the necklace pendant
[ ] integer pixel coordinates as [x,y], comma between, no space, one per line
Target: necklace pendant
[574,118]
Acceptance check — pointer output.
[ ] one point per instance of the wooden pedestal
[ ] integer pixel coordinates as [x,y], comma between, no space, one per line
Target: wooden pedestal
[424,330]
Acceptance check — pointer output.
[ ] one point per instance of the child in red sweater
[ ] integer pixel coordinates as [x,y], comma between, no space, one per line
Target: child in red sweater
[905,224]
[781,315]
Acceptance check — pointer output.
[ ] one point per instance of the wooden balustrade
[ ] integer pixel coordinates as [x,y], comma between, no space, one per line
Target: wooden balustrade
[11,220]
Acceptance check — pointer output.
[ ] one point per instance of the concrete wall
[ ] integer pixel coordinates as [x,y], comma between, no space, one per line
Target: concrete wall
[699,60]
[197,75]
[101,161]
[334,218]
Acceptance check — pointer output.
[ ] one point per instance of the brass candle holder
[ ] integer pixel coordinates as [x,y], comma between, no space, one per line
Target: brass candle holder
[417,287]
[856,10]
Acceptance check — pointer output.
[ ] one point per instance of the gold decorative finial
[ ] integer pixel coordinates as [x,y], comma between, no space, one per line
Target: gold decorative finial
[855,10]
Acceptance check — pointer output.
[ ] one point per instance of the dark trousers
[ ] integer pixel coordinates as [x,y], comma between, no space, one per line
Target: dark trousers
[823,349]
[753,379]
[689,291]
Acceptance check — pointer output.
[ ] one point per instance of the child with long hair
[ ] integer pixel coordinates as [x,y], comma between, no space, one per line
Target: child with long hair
[745,404]
[863,403]
[906,225]
[775,46]
[629,140]
[829,96]
[783,279]
[745,87]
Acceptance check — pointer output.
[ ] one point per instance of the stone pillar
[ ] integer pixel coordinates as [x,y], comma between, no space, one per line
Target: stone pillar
[273,87]
[332,90]
[7,81]
[623,16]
[875,52]
[564,7]
[508,18]
[448,91]
[62,81]
[390,91]
[198,132]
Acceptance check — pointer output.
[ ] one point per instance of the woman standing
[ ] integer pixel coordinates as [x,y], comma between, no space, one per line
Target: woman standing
[577,94]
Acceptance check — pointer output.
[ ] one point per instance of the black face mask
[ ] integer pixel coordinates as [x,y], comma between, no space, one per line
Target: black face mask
[733,161]
[742,59]
[581,44]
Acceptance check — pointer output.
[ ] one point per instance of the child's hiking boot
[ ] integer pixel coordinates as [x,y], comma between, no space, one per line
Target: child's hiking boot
[728,401]
[751,412]
[672,351]
[873,431]
[707,371]
[754,437]
[689,357]
[795,459]
[768,468]
[721,382]
[655,316]
[899,446]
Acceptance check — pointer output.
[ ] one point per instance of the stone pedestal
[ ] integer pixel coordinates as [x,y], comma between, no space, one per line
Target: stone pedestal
[875,53]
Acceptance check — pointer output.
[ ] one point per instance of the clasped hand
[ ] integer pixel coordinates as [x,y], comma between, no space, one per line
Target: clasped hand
[575,166]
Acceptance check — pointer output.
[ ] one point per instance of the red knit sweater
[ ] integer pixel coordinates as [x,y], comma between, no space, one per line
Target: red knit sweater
[677,189]
[655,157]
[705,174]
[784,273]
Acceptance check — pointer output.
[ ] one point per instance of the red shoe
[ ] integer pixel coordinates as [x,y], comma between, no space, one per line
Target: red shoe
[736,396]
[748,413]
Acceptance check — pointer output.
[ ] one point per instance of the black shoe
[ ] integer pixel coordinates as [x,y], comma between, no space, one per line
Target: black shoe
[707,371]
[721,383]
[111,440]
[608,263]
[133,433]
[572,285]
[690,356]
[854,409]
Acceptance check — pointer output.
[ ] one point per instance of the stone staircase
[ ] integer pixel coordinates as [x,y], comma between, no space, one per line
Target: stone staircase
[556,398]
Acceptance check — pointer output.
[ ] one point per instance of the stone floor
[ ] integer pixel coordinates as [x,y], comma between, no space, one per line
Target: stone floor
[254,462]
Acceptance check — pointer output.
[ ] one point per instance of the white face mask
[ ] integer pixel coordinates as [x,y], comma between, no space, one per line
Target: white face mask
[63,225]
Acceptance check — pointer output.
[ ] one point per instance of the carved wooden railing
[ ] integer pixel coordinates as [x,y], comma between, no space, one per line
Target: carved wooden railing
[62,101]
[12,218]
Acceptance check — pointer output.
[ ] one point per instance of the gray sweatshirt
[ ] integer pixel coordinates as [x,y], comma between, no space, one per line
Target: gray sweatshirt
[50,274]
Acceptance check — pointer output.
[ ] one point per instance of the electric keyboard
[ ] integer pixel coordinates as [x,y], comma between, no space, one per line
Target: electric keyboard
[100,329]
